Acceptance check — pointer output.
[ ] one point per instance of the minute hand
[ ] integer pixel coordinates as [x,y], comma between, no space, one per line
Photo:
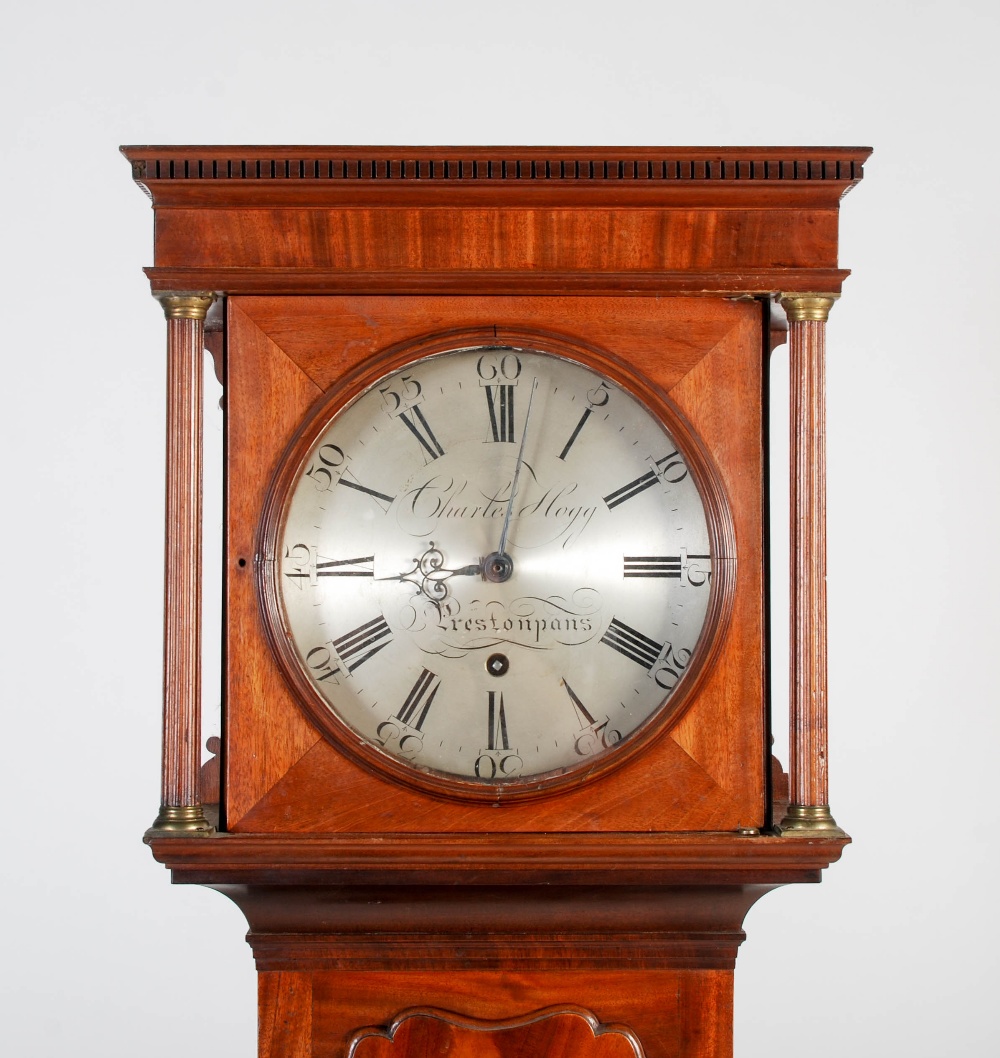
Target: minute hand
[502,549]
[498,566]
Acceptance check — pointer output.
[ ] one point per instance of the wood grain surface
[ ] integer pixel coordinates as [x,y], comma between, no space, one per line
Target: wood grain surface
[709,774]
[428,1033]
[807,743]
[300,220]
[182,567]
[667,1013]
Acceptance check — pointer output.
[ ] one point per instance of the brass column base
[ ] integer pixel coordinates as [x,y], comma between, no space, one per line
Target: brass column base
[807,821]
[187,820]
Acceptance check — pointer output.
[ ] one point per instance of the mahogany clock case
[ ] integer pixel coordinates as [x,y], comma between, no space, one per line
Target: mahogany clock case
[706,769]
[603,915]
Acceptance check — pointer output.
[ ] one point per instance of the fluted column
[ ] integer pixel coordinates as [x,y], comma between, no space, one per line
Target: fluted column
[180,801]
[809,810]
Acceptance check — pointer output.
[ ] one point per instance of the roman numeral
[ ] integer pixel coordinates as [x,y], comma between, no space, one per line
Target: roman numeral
[364,642]
[573,436]
[593,736]
[670,469]
[419,700]
[497,737]
[310,567]
[633,488]
[307,565]
[379,497]
[653,566]
[500,402]
[682,567]
[346,567]
[586,720]
[421,431]
[632,644]
[498,760]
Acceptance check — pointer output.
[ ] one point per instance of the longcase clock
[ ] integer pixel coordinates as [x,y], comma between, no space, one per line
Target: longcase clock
[494,773]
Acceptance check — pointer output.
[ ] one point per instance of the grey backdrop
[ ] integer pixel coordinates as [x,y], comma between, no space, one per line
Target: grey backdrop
[896,951]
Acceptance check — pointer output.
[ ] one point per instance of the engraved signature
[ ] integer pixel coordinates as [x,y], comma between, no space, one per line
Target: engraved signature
[544,514]
[531,621]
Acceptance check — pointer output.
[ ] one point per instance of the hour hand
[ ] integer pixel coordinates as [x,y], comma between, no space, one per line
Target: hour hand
[468,571]
[430,576]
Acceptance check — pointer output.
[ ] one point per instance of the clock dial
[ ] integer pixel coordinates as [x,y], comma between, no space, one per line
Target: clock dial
[492,569]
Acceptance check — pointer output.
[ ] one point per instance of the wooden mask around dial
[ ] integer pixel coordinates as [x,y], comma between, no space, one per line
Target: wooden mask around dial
[488,569]
[373,445]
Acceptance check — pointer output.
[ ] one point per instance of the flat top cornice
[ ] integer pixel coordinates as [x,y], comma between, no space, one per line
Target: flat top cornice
[163,171]
[322,219]
[431,150]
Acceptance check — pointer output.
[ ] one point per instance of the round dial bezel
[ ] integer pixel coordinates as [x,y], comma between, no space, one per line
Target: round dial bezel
[290,468]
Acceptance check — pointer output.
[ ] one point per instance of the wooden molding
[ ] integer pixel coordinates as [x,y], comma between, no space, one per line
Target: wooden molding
[427,1032]
[502,163]
[611,858]
[499,165]
[499,950]
[631,281]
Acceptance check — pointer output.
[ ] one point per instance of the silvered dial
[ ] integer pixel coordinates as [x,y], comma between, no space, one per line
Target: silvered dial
[494,566]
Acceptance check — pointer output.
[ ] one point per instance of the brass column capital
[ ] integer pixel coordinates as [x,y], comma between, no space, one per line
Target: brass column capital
[181,821]
[808,821]
[185,306]
[800,307]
